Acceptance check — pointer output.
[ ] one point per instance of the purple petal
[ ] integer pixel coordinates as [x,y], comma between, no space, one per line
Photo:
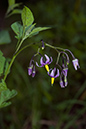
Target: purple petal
[29,70]
[53,72]
[75,63]
[38,65]
[51,60]
[47,59]
[61,84]
[57,73]
[41,61]
[64,71]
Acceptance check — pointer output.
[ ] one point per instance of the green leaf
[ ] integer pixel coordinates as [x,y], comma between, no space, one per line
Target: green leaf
[28,30]
[27,17]
[4,37]
[5,96]
[5,104]
[11,2]
[3,64]
[11,7]
[18,29]
[2,86]
[37,30]
[15,11]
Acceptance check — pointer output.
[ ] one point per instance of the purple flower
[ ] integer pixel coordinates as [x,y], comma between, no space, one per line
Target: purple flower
[31,68]
[63,81]
[65,71]
[63,77]
[75,63]
[44,62]
[64,66]
[53,74]
[65,59]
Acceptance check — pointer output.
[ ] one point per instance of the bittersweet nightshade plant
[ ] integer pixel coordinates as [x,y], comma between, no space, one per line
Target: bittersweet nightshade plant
[26,30]
[23,31]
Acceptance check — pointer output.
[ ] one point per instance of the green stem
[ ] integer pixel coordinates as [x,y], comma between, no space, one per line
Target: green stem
[25,48]
[14,59]
[19,45]
[9,67]
[58,58]
[18,51]
[54,47]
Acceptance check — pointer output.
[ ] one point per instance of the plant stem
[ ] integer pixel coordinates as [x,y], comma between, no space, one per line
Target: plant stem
[13,58]
[19,46]
[7,71]
[58,58]
[18,51]
[54,47]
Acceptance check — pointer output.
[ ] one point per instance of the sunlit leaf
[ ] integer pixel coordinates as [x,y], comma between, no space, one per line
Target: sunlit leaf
[37,30]
[11,2]
[28,30]
[27,17]
[11,7]
[15,11]
[18,29]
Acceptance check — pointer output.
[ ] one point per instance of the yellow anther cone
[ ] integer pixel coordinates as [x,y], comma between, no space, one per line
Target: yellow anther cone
[52,81]
[47,68]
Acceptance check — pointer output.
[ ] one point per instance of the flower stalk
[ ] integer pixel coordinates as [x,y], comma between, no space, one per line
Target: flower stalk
[45,61]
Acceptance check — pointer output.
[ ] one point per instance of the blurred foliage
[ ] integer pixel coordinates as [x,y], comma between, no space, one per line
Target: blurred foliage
[38,105]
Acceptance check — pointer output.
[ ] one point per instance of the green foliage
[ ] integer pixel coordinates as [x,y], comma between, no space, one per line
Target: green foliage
[11,8]
[5,94]
[41,105]
[28,29]
[18,29]
[4,37]
[3,64]
[11,2]
[27,17]
[37,30]
[2,86]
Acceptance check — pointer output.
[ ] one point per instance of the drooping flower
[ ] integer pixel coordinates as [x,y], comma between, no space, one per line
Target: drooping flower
[53,74]
[44,62]
[64,71]
[34,71]
[64,66]
[63,81]
[31,68]
[65,59]
[75,63]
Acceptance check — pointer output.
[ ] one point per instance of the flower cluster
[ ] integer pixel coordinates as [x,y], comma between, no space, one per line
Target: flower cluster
[59,70]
